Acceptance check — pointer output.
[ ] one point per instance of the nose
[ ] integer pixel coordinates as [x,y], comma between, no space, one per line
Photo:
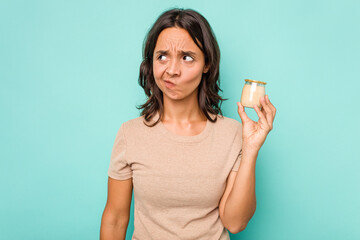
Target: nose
[173,68]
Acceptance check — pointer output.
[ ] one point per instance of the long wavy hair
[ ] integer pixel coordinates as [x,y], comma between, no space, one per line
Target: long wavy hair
[200,31]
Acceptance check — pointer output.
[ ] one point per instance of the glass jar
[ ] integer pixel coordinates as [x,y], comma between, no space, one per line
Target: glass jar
[252,92]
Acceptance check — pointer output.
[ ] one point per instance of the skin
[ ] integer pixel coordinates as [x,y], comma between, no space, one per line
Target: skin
[182,115]
[178,59]
[238,203]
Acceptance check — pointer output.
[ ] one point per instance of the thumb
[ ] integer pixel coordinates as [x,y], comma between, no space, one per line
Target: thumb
[241,110]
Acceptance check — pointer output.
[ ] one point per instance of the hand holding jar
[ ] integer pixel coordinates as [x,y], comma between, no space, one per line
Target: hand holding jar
[255,133]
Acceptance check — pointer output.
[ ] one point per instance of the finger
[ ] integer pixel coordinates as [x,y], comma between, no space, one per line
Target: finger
[262,109]
[241,110]
[271,105]
[273,109]
[261,115]
[268,111]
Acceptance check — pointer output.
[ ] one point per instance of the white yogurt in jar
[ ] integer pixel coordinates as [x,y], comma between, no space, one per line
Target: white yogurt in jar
[252,92]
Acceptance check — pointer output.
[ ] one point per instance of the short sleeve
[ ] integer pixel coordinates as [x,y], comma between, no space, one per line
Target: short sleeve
[119,168]
[237,162]
[236,148]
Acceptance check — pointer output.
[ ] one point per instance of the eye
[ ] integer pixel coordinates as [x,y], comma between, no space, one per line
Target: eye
[188,58]
[161,57]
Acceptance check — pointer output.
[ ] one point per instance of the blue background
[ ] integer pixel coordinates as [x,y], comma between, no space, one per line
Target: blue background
[69,70]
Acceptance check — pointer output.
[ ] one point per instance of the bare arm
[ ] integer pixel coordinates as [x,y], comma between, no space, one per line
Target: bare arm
[239,205]
[115,219]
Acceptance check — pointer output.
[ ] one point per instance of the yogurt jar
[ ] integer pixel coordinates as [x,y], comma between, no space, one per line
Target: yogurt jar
[252,92]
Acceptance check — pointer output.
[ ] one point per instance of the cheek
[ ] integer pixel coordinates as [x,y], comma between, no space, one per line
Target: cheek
[193,74]
[158,70]
[158,73]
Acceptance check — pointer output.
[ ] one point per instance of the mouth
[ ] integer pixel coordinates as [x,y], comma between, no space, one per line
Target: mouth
[169,84]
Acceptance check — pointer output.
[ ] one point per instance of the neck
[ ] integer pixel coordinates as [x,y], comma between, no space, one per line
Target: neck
[182,111]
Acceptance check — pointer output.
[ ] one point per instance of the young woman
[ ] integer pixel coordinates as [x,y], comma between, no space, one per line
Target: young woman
[192,169]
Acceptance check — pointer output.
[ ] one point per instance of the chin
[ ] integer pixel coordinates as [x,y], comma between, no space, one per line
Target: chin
[172,97]
[177,96]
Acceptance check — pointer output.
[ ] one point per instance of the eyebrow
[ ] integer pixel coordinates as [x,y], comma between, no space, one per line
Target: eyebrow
[165,52]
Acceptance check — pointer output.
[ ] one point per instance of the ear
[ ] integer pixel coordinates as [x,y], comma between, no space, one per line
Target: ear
[206,69]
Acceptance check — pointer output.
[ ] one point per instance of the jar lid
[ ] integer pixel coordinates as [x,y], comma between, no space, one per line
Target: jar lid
[249,80]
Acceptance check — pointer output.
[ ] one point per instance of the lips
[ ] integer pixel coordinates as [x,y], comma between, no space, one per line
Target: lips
[169,84]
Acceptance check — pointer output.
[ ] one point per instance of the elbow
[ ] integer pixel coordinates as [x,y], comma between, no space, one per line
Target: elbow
[239,224]
[238,228]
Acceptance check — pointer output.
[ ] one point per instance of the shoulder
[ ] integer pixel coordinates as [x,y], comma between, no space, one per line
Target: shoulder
[134,121]
[133,124]
[138,125]
[228,130]
[224,122]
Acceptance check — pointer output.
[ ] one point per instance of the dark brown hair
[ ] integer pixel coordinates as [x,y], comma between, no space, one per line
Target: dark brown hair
[203,36]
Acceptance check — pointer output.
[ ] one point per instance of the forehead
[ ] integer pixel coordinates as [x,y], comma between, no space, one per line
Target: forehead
[174,37]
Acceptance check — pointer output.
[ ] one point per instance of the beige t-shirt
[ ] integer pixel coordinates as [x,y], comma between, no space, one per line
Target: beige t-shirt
[178,180]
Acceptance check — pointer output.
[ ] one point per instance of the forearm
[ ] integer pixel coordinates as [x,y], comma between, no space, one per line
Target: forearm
[112,233]
[112,230]
[241,203]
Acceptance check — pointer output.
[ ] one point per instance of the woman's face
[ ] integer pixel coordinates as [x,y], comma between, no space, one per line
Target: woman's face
[178,60]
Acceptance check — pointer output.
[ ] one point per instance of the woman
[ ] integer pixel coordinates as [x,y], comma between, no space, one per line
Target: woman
[181,155]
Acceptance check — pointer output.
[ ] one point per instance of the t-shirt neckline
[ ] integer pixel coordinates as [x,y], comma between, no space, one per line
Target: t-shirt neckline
[185,139]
